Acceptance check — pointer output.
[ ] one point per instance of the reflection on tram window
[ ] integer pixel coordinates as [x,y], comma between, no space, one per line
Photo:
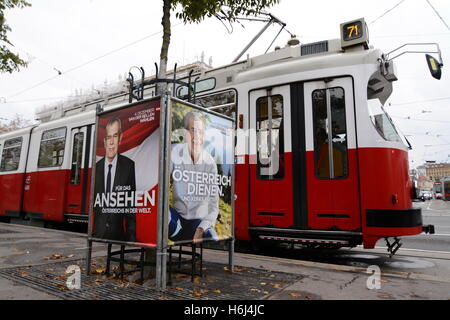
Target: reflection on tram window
[339,133]
[270,138]
[77,154]
[378,92]
[51,152]
[330,134]
[221,102]
[381,121]
[200,86]
[11,154]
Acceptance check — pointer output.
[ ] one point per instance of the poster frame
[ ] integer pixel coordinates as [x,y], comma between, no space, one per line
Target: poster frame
[101,110]
[161,246]
[168,132]
[233,126]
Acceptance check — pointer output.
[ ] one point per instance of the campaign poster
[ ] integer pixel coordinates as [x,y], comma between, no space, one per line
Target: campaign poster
[201,168]
[125,201]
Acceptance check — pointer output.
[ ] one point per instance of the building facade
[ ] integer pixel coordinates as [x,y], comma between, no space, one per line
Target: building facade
[437,171]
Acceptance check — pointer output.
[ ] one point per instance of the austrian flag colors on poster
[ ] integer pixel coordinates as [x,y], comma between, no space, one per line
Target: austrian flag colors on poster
[126,174]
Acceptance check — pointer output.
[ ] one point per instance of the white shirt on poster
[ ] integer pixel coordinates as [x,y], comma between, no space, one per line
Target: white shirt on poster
[204,207]
[113,172]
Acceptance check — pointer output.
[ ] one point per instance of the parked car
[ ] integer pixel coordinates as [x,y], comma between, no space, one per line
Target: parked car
[425,195]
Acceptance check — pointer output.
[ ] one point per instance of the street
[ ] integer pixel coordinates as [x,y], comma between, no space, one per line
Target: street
[31,270]
[423,255]
[419,270]
[437,213]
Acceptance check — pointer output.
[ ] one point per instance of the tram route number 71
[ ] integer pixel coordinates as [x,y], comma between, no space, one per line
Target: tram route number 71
[352,31]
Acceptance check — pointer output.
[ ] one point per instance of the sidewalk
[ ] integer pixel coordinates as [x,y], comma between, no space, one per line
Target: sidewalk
[33,263]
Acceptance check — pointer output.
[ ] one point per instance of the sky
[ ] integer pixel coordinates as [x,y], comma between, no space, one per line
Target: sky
[94,43]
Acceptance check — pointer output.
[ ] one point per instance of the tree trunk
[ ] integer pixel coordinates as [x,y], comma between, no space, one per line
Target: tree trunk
[150,253]
[161,87]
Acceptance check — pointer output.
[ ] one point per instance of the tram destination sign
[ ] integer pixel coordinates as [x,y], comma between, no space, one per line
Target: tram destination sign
[126,177]
[354,33]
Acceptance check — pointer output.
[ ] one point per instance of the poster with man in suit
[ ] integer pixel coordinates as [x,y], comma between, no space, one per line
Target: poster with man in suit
[126,174]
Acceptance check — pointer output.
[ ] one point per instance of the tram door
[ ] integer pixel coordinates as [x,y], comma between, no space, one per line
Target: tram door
[270,158]
[76,196]
[331,155]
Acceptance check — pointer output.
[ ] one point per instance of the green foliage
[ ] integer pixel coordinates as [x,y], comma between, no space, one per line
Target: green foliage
[196,10]
[9,61]
[224,221]
[230,10]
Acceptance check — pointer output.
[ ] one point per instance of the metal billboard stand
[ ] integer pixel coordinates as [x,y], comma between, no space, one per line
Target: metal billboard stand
[121,258]
[99,109]
[163,193]
[194,256]
[163,248]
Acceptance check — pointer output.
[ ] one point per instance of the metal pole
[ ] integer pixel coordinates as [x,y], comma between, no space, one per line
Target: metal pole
[330,135]
[233,171]
[269,117]
[88,258]
[142,260]
[91,200]
[254,39]
[231,254]
[122,261]
[160,192]
[163,190]
[167,161]
[108,259]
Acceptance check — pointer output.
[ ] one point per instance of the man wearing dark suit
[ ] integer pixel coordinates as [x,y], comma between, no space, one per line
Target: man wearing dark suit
[114,173]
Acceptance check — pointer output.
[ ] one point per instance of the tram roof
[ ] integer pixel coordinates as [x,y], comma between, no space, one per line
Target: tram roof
[308,57]
[301,58]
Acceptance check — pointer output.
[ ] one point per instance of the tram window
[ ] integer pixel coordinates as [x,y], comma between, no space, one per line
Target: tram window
[221,102]
[200,86]
[378,91]
[77,154]
[51,152]
[270,138]
[11,154]
[381,121]
[330,125]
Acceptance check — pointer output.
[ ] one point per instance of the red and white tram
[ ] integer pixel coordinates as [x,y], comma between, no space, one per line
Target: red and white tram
[317,158]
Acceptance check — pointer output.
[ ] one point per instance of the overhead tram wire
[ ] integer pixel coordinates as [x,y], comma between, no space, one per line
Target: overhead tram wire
[418,101]
[58,70]
[423,120]
[437,13]
[36,100]
[387,11]
[87,62]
